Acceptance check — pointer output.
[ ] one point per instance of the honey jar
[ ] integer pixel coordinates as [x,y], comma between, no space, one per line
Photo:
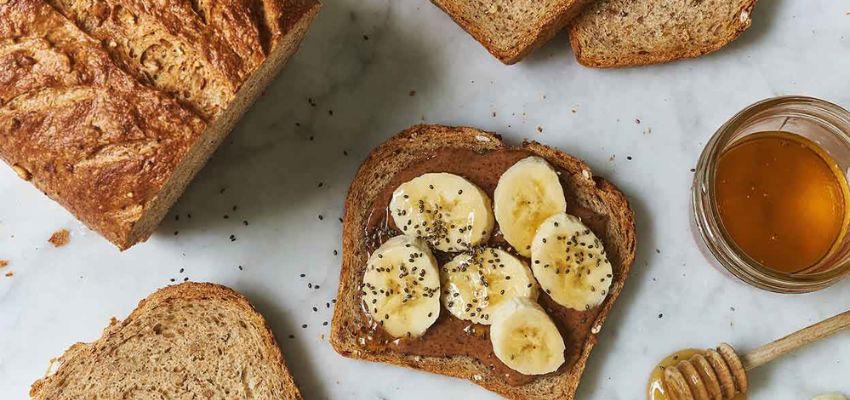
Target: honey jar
[771,203]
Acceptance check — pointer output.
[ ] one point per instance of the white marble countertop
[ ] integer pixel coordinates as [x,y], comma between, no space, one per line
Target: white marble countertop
[350,87]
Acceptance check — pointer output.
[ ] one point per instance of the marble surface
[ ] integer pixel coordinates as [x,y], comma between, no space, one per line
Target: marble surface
[370,68]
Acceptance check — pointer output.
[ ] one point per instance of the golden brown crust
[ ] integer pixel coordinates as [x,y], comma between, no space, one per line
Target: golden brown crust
[114,152]
[200,51]
[653,57]
[412,146]
[90,136]
[186,291]
[556,19]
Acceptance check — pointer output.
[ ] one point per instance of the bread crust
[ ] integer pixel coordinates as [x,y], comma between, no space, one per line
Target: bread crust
[183,291]
[113,151]
[654,57]
[556,19]
[413,146]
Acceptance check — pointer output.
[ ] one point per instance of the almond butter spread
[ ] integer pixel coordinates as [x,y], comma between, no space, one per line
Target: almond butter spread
[450,336]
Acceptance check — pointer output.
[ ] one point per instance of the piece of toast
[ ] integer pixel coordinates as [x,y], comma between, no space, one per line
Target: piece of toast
[192,340]
[416,144]
[511,29]
[620,33]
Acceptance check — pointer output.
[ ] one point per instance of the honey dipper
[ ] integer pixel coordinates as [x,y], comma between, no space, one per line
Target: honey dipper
[720,374]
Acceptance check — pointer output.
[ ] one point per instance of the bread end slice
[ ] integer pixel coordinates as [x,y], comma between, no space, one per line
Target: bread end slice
[198,340]
[621,33]
[416,144]
[511,29]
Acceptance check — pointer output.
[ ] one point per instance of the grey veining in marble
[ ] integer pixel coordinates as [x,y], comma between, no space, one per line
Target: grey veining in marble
[370,68]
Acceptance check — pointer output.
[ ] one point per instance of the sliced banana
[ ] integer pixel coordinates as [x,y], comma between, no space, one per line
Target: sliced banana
[475,283]
[448,211]
[570,263]
[401,287]
[525,338]
[527,193]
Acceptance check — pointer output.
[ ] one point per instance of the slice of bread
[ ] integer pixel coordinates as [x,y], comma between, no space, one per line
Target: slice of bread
[192,340]
[413,146]
[620,33]
[510,29]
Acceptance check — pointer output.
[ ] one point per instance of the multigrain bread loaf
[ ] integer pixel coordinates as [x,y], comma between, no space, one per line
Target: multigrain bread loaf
[88,110]
[620,33]
[188,341]
[511,29]
[351,325]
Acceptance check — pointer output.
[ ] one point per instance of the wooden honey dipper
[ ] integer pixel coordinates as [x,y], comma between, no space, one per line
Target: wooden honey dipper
[720,374]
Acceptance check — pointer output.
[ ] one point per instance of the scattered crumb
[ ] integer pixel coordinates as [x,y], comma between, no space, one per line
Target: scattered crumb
[613,156]
[365,37]
[311,102]
[629,158]
[573,110]
[9,274]
[60,238]
[540,129]
[411,93]
[4,263]
[494,114]
[637,121]
[331,112]
[660,316]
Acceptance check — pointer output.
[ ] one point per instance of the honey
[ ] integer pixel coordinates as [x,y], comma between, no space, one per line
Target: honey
[655,387]
[782,200]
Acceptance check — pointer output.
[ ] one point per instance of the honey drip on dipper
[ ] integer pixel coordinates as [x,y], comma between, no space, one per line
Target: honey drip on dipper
[721,374]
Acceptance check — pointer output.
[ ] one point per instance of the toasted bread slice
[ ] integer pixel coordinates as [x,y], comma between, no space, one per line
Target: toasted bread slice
[510,29]
[620,33]
[192,340]
[412,147]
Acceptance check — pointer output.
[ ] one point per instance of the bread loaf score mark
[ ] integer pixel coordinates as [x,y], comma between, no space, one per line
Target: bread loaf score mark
[483,280]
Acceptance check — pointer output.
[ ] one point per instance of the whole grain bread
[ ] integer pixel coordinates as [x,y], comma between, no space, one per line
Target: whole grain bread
[417,144]
[620,33]
[86,118]
[192,340]
[511,29]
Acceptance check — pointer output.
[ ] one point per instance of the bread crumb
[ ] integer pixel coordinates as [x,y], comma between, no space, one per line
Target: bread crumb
[9,274]
[60,238]
[411,93]
[4,263]
[540,129]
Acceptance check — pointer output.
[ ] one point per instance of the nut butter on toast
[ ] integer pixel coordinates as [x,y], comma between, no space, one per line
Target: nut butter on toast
[451,346]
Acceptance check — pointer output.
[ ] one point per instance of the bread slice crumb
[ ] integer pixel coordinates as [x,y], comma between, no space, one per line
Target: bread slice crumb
[60,238]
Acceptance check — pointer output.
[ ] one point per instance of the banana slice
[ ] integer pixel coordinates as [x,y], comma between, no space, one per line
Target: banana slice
[448,211]
[401,287]
[474,284]
[527,193]
[570,264]
[525,338]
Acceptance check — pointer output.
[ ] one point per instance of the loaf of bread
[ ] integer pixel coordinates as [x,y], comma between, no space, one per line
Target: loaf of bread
[187,341]
[111,107]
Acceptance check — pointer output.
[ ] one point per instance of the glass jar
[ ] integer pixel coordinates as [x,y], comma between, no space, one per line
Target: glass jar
[825,124]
